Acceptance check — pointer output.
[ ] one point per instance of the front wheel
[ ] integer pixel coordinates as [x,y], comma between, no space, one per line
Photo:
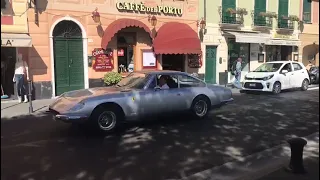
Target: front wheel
[106,119]
[304,85]
[200,107]
[276,88]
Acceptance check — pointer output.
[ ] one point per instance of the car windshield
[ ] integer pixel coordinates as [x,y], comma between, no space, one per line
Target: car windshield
[268,67]
[134,80]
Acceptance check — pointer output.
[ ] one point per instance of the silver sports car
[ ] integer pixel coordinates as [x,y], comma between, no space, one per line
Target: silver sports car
[140,94]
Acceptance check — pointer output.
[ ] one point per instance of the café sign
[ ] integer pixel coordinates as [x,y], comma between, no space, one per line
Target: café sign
[6,42]
[140,7]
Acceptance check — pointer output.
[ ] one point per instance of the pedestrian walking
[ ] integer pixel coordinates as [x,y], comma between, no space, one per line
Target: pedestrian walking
[237,73]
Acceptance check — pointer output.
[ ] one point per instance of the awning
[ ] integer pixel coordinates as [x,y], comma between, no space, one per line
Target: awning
[282,42]
[15,40]
[119,24]
[249,37]
[176,38]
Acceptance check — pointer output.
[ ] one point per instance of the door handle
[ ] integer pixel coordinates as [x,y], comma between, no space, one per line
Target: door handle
[71,61]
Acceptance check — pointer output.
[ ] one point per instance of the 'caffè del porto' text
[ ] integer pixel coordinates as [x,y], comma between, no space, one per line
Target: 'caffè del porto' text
[140,7]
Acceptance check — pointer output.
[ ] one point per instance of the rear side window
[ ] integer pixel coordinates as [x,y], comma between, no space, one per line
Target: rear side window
[296,66]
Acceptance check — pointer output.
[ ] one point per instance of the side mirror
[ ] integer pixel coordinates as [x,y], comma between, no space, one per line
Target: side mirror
[284,71]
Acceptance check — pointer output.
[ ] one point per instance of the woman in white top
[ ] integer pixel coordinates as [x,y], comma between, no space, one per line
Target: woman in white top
[21,71]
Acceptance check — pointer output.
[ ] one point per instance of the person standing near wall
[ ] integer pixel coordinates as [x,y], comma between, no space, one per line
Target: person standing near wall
[237,73]
[21,76]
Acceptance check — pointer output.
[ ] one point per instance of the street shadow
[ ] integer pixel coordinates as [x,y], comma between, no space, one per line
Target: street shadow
[165,147]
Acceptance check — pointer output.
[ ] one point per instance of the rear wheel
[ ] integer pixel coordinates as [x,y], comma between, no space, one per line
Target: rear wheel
[304,85]
[276,88]
[200,107]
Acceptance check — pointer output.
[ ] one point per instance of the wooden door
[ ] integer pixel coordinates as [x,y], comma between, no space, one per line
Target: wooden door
[211,67]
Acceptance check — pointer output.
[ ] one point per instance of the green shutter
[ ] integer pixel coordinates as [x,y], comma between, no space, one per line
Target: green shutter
[283,8]
[228,4]
[259,6]
[307,11]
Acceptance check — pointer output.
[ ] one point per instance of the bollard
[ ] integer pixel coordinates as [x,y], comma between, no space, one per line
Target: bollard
[296,160]
[226,72]
[30,96]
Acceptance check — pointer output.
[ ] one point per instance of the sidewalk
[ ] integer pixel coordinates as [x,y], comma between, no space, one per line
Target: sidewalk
[13,108]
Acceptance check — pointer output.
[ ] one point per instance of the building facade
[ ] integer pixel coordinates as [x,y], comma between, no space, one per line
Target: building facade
[134,35]
[255,30]
[309,14]
[15,40]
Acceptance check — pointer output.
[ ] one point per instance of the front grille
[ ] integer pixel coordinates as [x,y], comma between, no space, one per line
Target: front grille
[253,85]
[257,79]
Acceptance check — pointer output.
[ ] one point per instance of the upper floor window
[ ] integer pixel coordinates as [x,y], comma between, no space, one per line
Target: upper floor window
[306,16]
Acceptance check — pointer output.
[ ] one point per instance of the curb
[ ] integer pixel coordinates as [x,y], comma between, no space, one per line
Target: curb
[254,166]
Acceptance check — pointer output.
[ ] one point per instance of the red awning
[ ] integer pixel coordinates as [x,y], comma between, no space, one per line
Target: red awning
[119,24]
[176,38]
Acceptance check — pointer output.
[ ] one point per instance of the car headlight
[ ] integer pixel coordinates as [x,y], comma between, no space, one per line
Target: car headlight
[245,77]
[77,107]
[268,77]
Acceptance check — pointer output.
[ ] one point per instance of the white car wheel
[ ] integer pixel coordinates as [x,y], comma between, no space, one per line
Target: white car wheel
[305,85]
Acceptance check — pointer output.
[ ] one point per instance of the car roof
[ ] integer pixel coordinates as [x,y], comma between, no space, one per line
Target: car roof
[160,72]
[282,62]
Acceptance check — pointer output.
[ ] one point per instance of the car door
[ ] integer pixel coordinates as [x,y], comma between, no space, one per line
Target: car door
[286,78]
[298,74]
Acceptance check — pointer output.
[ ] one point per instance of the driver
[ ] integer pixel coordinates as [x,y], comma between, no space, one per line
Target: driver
[163,83]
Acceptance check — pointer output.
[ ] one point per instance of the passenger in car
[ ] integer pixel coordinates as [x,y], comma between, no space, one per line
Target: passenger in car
[163,83]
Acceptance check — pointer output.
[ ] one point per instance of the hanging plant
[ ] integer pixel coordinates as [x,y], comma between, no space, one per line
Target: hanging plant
[294,18]
[231,11]
[242,11]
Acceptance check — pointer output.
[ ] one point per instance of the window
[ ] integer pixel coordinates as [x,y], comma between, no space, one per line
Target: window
[287,67]
[306,17]
[296,66]
[153,83]
[188,81]
[170,80]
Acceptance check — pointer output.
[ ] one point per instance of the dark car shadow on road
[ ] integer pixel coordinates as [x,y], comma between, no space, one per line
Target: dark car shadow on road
[36,147]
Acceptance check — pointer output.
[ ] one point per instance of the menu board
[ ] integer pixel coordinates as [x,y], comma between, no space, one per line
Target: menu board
[194,61]
[101,60]
[149,59]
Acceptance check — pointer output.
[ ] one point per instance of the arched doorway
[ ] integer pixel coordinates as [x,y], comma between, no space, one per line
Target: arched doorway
[68,57]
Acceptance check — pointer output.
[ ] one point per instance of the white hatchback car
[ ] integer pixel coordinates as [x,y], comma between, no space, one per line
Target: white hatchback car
[277,75]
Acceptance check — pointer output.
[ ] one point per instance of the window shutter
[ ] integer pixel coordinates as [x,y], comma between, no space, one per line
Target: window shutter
[283,8]
[228,4]
[259,6]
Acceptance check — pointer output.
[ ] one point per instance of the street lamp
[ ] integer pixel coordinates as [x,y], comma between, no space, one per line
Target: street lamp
[153,20]
[202,24]
[96,16]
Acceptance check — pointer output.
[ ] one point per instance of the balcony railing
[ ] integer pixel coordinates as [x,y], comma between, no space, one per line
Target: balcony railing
[261,21]
[285,24]
[306,17]
[230,17]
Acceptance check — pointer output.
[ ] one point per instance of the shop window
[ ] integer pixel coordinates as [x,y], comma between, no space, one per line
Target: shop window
[236,50]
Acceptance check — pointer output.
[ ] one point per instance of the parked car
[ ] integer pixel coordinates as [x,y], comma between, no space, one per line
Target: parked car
[314,75]
[139,95]
[276,76]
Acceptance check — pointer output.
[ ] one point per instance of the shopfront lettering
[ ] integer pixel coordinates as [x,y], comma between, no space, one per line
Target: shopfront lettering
[282,36]
[6,42]
[168,10]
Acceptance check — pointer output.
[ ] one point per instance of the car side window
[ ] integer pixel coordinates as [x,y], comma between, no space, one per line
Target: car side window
[153,83]
[287,67]
[170,80]
[296,66]
[188,81]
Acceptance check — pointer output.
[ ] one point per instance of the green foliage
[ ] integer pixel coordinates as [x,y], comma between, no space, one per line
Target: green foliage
[112,78]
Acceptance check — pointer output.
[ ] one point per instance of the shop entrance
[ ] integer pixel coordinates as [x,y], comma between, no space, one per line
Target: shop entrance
[173,62]
[68,57]
[126,42]
[286,53]
[8,60]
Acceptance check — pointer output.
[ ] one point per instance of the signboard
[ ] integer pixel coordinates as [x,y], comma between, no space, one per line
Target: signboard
[194,61]
[283,42]
[140,7]
[101,60]
[149,59]
[120,52]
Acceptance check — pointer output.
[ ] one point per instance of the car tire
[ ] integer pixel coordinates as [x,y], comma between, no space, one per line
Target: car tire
[304,85]
[106,118]
[276,89]
[312,79]
[200,107]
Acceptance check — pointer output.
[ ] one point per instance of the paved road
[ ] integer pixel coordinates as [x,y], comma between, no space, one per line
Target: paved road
[38,148]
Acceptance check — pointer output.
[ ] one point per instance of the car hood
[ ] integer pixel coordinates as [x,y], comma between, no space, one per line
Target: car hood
[259,74]
[69,99]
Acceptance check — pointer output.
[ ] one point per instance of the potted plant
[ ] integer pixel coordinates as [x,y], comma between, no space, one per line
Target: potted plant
[231,11]
[111,78]
[285,17]
[242,11]
[263,14]
[270,15]
[294,18]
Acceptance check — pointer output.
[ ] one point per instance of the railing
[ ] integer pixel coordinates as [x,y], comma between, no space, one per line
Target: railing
[306,17]
[230,18]
[285,24]
[261,21]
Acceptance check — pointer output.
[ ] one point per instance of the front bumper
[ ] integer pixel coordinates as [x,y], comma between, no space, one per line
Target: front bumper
[67,117]
[255,85]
